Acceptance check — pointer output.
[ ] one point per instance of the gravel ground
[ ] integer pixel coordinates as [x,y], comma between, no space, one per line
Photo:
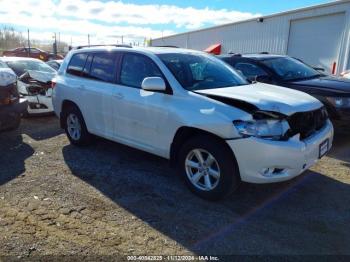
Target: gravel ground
[108,199]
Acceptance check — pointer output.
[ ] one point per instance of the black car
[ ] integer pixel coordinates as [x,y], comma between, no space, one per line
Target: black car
[333,92]
[55,64]
[11,106]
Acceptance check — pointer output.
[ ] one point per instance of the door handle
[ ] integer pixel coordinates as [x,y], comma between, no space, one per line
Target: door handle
[81,87]
[118,95]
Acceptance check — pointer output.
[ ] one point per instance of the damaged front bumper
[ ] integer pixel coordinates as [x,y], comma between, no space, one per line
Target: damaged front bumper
[266,161]
[39,104]
[37,91]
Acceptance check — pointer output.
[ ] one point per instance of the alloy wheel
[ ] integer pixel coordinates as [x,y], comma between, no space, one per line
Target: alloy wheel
[202,169]
[73,126]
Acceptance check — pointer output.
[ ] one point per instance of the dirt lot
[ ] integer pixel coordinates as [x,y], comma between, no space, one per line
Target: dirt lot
[107,199]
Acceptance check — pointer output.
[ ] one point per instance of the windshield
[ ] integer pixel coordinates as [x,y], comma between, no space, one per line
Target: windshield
[20,67]
[288,68]
[200,71]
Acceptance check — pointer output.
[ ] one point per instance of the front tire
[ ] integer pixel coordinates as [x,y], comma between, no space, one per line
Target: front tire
[75,127]
[209,168]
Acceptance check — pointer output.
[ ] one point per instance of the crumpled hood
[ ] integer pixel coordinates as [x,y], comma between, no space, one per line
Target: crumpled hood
[42,86]
[267,97]
[41,76]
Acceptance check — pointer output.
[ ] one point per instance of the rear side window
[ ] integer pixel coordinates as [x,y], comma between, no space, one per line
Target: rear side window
[135,68]
[77,64]
[103,67]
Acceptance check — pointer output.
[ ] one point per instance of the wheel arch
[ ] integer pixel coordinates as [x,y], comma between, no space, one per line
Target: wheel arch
[66,104]
[186,132]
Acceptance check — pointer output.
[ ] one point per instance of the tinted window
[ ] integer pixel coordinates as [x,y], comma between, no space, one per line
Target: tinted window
[87,66]
[201,71]
[135,68]
[103,67]
[289,68]
[76,64]
[250,70]
[34,50]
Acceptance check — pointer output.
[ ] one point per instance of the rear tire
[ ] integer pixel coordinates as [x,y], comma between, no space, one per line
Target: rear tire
[208,167]
[75,127]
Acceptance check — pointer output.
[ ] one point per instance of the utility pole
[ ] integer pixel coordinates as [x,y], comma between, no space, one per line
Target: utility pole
[28,43]
[89,39]
[55,45]
[59,41]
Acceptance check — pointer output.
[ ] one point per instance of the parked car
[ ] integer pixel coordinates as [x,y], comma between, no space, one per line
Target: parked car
[33,53]
[333,92]
[11,106]
[55,64]
[34,83]
[191,108]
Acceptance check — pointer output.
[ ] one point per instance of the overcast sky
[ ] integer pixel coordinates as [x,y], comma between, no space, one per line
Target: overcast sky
[107,21]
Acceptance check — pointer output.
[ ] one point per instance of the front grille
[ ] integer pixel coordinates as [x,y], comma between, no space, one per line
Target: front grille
[307,123]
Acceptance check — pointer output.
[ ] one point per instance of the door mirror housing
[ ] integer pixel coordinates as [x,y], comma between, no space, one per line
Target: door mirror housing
[263,79]
[153,84]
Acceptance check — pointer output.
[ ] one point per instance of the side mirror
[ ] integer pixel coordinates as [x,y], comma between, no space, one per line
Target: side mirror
[153,84]
[263,79]
[319,69]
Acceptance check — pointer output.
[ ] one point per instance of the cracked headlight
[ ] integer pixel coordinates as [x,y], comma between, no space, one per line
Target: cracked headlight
[340,102]
[268,128]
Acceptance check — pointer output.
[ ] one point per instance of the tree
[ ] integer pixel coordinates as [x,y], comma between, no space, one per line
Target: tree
[9,38]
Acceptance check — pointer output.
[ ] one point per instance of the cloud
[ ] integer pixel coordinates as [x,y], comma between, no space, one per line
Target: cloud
[102,19]
[120,12]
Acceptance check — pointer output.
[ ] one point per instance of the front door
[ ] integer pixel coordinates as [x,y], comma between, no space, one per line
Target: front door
[141,114]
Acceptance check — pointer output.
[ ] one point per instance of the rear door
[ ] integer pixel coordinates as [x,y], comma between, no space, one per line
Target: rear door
[74,85]
[99,87]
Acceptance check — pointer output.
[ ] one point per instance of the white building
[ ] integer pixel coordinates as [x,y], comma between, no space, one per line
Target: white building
[319,35]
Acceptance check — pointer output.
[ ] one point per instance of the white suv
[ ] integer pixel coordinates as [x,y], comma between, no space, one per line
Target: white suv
[191,108]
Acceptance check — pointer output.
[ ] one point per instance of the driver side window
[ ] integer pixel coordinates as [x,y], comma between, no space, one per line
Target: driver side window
[135,68]
[250,70]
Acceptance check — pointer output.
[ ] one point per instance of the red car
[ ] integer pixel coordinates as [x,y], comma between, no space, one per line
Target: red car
[32,52]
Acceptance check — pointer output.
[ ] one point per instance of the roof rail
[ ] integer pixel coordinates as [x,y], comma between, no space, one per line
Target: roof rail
[87,46]
[170,46]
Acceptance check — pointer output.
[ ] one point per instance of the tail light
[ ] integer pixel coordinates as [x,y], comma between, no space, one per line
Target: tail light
[5,101]
[9,94]
[9,99]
